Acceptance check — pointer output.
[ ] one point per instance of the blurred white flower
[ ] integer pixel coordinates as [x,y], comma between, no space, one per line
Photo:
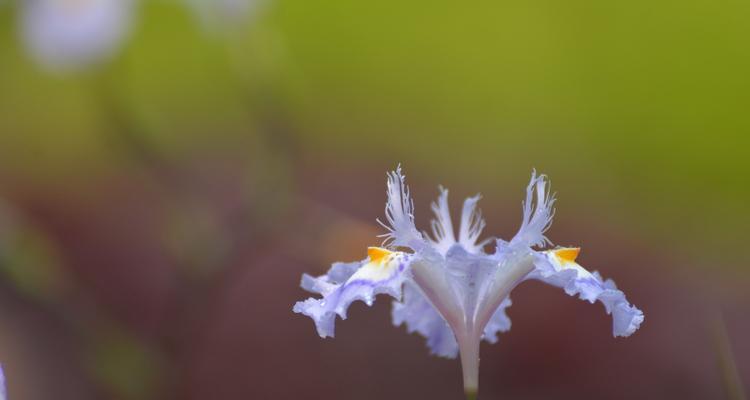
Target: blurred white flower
[217,15]
[64,35]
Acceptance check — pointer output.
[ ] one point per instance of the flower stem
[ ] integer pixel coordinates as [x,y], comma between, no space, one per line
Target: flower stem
[469,349]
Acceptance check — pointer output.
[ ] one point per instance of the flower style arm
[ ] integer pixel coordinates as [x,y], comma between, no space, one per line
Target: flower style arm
[472,225]
[537,213]
[514,259]
[442,226]
[399,214]
[419,315]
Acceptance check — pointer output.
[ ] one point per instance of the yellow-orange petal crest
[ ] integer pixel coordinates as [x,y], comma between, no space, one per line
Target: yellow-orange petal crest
[377,254]
[568,254]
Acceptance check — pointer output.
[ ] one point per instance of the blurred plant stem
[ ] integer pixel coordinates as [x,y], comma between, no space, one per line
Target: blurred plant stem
[124,131]
[122,362]
[727,364]
[471,395]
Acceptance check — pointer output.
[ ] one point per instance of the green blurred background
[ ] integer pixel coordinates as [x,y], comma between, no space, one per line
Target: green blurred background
[135,194]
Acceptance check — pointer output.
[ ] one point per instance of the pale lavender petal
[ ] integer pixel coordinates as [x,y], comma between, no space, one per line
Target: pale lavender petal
[499,322]
[382,272]
[420,316]
[565,273]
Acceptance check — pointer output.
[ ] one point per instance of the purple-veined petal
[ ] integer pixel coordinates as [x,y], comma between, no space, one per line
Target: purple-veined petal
[558,268]
[382,271]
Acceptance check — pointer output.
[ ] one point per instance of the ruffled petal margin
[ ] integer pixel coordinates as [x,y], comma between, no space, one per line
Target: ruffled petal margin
[382,271]
[558,268]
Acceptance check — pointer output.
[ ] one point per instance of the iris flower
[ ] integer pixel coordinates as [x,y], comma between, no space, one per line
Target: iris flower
[449,289]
